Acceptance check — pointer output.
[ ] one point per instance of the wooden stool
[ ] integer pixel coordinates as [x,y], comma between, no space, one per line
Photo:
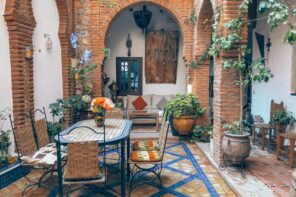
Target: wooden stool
[264,128]
[280,143]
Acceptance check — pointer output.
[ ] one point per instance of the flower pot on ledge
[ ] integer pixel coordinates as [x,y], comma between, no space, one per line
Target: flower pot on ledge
[236,147]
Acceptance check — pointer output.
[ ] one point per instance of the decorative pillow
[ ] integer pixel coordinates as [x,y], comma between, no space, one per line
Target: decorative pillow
[145,156]
[161,104]
[139,103]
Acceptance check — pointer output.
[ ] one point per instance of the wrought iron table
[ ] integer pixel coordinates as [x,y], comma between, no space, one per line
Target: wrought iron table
[117,131]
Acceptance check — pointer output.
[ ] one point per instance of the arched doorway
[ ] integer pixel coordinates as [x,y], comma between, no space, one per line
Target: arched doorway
[163,24]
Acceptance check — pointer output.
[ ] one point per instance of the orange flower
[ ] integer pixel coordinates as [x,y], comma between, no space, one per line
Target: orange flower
[100,104]
[99,101]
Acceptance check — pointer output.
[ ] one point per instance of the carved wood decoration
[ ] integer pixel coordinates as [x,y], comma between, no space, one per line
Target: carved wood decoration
[161,56]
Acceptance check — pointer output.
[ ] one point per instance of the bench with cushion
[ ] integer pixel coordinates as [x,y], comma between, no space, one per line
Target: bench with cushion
[154,104]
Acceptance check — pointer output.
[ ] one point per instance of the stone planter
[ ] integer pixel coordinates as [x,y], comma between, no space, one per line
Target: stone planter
[236,147]
[183,124]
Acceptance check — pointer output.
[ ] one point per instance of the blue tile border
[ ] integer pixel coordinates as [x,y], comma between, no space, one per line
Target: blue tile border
[199,175]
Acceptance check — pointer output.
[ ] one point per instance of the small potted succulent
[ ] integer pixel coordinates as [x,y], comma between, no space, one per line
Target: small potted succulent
[184,110]
[281,119]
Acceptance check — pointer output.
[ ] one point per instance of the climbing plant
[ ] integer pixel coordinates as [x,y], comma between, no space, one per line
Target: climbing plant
[277,13]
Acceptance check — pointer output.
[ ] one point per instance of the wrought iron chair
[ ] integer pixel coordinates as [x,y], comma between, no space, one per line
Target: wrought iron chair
[28,151]
[151,144]
[83,165]
[148,161]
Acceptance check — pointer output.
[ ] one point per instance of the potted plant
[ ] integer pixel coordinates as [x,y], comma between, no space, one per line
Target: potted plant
[184,110]
[236,142]
[281,119]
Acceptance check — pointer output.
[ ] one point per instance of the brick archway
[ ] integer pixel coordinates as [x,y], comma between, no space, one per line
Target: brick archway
[65,10]
[201,75]
[173,10]
[102,16]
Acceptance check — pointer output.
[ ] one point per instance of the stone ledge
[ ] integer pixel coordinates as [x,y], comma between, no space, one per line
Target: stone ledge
[248,186]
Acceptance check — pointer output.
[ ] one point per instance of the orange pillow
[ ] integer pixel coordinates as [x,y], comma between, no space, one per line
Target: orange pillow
[139,103]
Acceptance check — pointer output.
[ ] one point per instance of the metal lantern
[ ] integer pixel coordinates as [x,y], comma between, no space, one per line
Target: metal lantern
[142,18]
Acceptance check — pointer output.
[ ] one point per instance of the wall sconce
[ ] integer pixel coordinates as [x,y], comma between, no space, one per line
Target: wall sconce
[48,41]
[29,52]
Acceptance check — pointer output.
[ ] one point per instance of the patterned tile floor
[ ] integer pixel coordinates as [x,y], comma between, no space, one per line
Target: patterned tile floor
[186,172]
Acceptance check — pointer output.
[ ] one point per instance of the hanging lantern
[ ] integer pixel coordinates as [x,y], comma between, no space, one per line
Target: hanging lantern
[142,18]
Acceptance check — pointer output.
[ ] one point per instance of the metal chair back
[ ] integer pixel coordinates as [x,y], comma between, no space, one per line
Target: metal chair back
[40,127]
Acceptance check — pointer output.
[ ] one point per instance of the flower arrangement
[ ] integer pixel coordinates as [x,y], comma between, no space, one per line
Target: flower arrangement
[99,105]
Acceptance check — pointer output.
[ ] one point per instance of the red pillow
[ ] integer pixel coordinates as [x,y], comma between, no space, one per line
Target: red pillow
[139,103]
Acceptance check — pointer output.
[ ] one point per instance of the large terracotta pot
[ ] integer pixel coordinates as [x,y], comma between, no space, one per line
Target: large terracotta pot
[236,147]
[183,124]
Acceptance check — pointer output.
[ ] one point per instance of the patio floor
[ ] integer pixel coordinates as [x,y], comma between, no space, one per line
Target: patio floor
[187,172]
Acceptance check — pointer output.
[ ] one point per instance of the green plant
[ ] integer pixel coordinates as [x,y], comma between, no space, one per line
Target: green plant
[283,117]
[185,105]
[202,133]
[107,52]
[237,127]
[54,128]
[57,109]
[4,134]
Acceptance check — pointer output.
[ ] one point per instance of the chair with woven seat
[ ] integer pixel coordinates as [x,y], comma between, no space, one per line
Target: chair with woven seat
[149,161]
[28,152]
[83,165]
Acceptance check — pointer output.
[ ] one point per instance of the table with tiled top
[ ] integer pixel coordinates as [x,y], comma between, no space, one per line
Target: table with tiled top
[116,131]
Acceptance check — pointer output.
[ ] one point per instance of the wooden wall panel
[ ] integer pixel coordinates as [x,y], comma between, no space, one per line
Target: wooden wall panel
[161,56]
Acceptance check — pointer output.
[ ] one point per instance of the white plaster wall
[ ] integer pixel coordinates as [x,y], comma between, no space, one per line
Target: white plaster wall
[48,84]
[280,62]
[5,71]
[122,26]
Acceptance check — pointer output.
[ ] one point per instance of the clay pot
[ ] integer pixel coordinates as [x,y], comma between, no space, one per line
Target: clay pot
[236,147]
[183,124]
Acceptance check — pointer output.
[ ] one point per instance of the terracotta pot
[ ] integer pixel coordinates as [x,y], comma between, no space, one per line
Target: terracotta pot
[236,147]
[183,124]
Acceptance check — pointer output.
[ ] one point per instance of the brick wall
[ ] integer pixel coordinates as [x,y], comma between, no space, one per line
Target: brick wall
[20,23]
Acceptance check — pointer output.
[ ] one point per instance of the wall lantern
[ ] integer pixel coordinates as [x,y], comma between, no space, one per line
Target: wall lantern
[48,41]
[142,18]
[29,52]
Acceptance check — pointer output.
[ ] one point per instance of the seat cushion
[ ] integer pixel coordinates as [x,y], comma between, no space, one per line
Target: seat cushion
[139,103]
[145,156]
[145,145]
